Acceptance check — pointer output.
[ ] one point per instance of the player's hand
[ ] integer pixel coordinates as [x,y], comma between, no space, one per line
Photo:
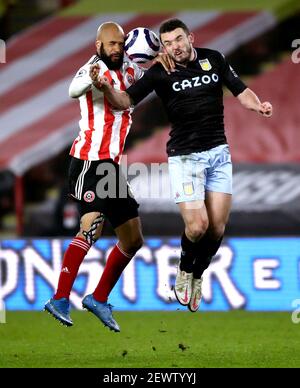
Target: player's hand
[94,74]
[266,109]
[166,61]
[103,83]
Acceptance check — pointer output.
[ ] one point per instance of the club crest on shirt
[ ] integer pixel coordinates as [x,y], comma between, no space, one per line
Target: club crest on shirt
[89,196]
[188,188]
[130,79]
[205,64]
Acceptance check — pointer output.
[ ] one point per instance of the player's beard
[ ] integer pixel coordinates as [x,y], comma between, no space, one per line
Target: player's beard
[111,64]
[186,58]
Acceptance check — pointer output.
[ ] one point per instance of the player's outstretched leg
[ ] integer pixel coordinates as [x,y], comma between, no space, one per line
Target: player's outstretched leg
[59,305]
[103,311]
[91,228]
[218,207]
[130,241]
[196,222]
[60,310]
[184,277]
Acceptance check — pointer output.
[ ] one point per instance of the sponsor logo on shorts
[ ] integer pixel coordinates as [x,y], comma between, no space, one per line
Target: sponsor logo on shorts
[89,196]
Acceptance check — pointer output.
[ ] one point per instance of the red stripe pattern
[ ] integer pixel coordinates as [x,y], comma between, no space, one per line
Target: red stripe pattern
[125,116]
[109,119]
[89,132]
[215,28]
[37,36]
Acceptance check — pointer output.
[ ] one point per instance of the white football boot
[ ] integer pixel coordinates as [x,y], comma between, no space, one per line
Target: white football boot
[196,295]
[183,286]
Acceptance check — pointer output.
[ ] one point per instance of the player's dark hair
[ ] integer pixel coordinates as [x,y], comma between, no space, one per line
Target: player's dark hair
[171,25]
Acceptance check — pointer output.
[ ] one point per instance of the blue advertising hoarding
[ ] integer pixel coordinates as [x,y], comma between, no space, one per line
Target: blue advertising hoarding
[256,274]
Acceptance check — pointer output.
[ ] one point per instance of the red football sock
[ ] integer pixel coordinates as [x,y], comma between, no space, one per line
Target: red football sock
[73,257]
[116,263]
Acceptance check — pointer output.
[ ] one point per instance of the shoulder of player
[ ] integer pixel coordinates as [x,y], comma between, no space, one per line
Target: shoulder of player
[94,59]
[203,53]
[213,56]
[156,70]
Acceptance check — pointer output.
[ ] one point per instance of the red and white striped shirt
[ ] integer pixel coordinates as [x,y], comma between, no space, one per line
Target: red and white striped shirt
[103,130]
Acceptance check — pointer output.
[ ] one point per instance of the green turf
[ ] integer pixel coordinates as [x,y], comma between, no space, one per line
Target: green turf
[152,339]
[92,7]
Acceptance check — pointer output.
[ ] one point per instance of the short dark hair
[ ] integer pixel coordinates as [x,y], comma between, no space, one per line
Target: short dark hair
[171,25]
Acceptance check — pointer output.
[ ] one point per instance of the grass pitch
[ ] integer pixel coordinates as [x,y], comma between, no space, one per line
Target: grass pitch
[92,7]
[152,339]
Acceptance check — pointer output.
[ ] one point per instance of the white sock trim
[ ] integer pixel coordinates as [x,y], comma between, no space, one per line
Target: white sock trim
[124,253]
[81,244]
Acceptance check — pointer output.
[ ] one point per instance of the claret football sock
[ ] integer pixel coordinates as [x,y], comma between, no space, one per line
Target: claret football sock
[115,265]
[73,257]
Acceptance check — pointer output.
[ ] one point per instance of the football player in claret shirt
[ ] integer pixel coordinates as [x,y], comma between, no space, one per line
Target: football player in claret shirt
[95,158]
[199,158]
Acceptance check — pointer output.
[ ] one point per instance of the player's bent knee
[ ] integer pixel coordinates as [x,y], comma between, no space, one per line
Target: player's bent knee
[216,232]
[196,231]
[140,243]
[137,243]
[133,245]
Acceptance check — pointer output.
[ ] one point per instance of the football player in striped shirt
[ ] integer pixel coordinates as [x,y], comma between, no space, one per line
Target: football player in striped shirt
[95,178]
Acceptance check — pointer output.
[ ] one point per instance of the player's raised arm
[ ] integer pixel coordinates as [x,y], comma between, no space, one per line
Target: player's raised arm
[166,61]
[94,75]
[83,80]
[245,95]
[119,100]
[250,101]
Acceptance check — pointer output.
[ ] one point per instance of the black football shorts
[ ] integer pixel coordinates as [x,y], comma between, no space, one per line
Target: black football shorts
[100,186]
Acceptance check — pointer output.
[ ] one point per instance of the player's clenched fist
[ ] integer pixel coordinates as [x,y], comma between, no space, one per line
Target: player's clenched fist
[266,109]
[104,83]
[94,74]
